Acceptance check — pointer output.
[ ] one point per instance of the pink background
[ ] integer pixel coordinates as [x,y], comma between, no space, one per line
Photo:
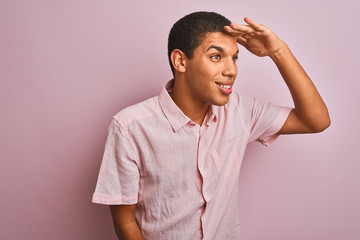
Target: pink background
[66,67]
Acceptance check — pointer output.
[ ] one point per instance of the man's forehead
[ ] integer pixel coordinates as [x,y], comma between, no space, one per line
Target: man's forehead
[219,39]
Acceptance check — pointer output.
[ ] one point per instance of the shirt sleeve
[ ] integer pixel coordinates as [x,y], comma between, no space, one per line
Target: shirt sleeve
[266,120]
[118,180]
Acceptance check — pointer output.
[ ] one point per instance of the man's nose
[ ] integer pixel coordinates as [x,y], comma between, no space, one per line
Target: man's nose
[230,69]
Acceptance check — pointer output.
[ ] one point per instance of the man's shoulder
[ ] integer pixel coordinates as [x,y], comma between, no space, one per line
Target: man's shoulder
[146,108]
[241,101]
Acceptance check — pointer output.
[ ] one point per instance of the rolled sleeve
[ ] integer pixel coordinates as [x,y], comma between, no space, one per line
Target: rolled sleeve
[118,180]
[267,120]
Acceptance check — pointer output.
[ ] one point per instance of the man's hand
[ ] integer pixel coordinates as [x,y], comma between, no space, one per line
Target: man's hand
[256,38]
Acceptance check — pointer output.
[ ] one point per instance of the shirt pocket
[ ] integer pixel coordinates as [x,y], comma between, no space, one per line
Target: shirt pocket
[227,158]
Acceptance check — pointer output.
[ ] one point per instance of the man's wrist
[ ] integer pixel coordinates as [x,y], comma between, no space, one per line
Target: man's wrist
[283,51]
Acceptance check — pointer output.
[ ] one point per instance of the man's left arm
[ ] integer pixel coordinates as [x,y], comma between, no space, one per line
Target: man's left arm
[310,114]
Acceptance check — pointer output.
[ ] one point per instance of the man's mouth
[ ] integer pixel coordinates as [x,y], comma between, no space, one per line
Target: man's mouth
[224,86]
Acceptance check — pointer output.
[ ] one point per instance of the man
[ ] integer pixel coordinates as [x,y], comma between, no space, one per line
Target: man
[171,163]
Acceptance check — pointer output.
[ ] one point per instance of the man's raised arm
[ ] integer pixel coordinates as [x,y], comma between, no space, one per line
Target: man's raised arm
[310,113]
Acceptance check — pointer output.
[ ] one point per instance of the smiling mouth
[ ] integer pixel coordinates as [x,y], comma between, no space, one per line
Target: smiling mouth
[224,86]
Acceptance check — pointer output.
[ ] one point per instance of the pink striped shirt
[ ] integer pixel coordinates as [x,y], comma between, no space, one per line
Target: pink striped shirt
[183,177]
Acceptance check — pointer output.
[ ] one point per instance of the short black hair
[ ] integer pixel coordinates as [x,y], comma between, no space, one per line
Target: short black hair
[188,32]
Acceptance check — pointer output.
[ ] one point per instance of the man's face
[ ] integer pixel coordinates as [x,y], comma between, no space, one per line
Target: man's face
[211,73]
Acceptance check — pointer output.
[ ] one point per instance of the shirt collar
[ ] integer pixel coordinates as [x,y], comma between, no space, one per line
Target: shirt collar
[211,115]
[174,114]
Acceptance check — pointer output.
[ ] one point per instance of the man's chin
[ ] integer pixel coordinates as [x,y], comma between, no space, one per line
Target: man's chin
[221,102]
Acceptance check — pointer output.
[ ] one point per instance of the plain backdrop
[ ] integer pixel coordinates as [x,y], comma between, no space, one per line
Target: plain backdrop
[66,67]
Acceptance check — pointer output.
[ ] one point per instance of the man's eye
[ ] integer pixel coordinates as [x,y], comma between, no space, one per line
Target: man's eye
[215,57]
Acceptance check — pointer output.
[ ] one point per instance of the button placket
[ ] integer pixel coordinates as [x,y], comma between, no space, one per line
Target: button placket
[200,163]
[209,171]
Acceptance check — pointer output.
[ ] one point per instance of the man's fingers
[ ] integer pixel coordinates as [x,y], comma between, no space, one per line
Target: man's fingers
[247,34]
[251,28]
[253,24]
[241,37]
[242,41]
[240,28]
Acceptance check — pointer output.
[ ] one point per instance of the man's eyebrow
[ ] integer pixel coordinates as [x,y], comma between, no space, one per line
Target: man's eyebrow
[220,49]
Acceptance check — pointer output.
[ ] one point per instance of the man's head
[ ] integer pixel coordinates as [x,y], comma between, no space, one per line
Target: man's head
[203,59]
[188,32]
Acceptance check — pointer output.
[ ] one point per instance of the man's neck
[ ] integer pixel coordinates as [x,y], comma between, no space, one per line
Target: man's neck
[195,110]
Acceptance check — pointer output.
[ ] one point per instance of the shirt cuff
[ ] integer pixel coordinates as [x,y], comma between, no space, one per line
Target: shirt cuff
[113,200]
[276,126]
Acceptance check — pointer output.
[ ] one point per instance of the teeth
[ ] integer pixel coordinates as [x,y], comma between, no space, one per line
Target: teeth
[225,86]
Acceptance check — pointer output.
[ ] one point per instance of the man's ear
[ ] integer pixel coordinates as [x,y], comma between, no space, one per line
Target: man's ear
[178,59]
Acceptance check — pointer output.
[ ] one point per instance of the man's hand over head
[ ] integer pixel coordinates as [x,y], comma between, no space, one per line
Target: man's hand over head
[256,38]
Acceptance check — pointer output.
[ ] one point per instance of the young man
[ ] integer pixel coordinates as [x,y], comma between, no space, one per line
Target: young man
[171,164]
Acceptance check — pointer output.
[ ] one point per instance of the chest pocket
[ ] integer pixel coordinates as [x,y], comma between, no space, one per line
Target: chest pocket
[227,158]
